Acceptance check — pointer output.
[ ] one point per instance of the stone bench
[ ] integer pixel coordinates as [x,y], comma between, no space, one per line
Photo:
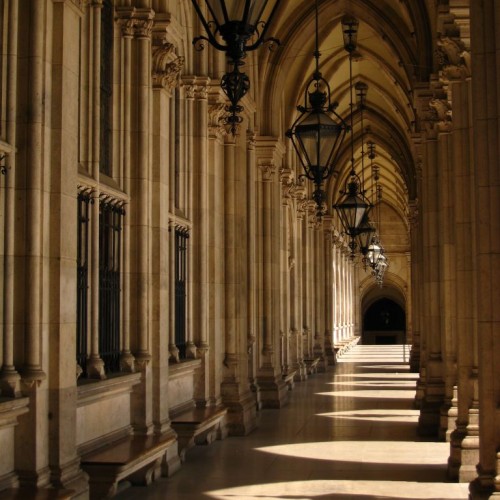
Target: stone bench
[289,379]
[28,493]
[199,426]
[135,458]
[312,365]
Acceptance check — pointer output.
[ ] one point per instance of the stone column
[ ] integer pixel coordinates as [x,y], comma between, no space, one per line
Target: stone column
[306,284]
[236,394]
[319,296]
[95,365]
[269,153]
[216,248]
[287,264]
[199,277]
[299,288]
[415,263]
[142,402]
[329,288]
[433,383]
[9,376]
[127,360]
[31,461]
[485,47]
[60,287]
[166,67]
[446,256]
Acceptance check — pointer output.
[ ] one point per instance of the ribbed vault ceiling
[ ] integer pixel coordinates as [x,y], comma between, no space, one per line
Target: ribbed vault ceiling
[393,56]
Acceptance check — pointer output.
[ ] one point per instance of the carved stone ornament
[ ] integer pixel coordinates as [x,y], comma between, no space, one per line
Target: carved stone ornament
[216,129]
[453,58]
[443,114]
[413,213]
[166,66]
[268,169]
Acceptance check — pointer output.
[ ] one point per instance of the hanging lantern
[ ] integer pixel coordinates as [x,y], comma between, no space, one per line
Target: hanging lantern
[237,22]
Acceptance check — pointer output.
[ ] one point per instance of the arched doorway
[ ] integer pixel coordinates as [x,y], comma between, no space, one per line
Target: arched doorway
[384,322]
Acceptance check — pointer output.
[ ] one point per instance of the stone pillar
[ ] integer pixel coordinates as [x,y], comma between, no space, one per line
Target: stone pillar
[319,295]
[31,458]
[416,286]
[236,394]
[485,48]
[166,66]
[433,381]
[95,365]
[329,288]
[60,287]
[298,277]
[447,267]
[127,360]
[273,391]
[9,376]
[216,247]
[199,277]
[141,177]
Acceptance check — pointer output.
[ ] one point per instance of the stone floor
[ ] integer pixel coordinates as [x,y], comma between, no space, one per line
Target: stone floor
[347,434]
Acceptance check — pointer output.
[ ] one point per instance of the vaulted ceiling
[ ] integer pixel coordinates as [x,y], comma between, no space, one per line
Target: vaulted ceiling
[393,57]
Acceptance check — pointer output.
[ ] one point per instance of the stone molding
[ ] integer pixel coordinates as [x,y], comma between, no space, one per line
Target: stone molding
[135,22]
[453,58]
[166,66]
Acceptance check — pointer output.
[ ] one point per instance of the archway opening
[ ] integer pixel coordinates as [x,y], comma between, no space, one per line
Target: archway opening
[384,322]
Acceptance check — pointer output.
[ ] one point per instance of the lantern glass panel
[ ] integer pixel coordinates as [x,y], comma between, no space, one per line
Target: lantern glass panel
[317,139]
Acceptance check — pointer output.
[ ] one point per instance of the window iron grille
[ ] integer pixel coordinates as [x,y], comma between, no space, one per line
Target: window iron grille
[110,230]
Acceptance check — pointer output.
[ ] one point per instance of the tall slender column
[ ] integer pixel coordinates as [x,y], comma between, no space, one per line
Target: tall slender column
[299,289]
[434,380]
[200,238]
[273,390]
[141,177]
[61,292]
[235,389]
[319,298]
[32,371]
[446,271]
[9,376]
[166,67]
[126,359]
[328,294]
[95,365]
[485,45]
[415,286]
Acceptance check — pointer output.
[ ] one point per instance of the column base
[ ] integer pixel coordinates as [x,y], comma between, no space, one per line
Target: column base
[242,408]
[273,391]
[470,459]
[484,487]
[429,419]
[414,360]
[171,460]
[447,421]
[71,477]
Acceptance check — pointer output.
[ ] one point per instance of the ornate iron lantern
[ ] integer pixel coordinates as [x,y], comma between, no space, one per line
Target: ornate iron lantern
[317,134]
[241,26]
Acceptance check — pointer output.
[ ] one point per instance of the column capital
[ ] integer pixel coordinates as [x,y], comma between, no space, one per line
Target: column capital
[267,168]
[134,21]
[195,87]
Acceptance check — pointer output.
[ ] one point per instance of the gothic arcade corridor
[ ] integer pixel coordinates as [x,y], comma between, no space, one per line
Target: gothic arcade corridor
[347,434]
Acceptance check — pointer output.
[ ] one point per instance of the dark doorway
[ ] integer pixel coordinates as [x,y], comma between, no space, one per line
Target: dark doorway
[384,323]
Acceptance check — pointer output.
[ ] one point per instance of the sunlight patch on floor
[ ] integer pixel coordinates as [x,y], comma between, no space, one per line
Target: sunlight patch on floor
[359,452]
[374,415]
[338,489]
[376,393]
